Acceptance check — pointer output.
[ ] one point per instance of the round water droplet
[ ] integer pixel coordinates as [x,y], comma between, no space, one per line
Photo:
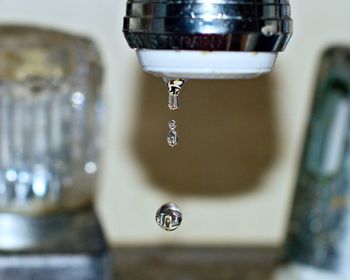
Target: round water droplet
[169,217]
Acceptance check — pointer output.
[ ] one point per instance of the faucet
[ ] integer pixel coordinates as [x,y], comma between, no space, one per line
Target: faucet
[319,228]
[194,39]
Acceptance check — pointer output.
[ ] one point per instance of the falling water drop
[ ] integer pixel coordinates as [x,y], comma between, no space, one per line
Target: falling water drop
[174,89]
[169,217]
[173,139]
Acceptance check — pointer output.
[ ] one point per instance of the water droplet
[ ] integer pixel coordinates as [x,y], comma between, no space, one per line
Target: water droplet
[174,89]
[172,125]
[169,217]
[173,139]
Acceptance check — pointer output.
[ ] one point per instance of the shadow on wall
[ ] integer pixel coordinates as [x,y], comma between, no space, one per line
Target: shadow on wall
[227,136]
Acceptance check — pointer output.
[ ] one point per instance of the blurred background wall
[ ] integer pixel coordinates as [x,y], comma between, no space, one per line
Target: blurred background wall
[234,171]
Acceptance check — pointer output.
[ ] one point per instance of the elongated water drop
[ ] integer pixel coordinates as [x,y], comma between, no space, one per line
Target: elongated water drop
[173,139]
[174,89]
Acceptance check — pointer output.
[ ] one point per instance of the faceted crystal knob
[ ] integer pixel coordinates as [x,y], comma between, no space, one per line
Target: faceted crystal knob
[169,217]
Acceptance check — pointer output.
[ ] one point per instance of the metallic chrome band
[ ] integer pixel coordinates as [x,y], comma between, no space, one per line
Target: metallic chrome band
[201,25]
[205,11]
